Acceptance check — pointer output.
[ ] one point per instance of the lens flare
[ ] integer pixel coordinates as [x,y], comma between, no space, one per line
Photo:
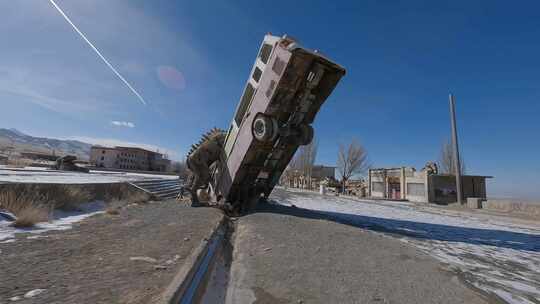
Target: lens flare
[171,77]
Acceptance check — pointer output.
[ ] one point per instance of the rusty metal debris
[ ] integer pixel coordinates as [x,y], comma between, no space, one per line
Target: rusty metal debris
[67,163]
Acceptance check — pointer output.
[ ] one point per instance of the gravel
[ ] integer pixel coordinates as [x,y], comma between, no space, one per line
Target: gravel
[105,258]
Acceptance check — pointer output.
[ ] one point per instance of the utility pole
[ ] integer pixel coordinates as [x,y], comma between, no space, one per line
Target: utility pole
[457,163]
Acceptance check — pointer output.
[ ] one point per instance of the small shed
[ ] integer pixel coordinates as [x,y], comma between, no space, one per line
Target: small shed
[405,183]
[442,188]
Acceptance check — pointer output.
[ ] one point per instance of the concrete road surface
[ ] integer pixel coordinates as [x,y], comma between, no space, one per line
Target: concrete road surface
[498,255]
[289,255]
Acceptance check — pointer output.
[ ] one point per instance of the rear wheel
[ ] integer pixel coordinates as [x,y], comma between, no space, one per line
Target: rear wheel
[264,128]
[306,134]
[251,203]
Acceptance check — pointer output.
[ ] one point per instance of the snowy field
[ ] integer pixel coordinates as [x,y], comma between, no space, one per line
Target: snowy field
[42,175]
[497,255]
[61,220]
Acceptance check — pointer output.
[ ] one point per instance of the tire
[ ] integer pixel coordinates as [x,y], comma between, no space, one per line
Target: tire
[251,201]
[264,128]
[306,134]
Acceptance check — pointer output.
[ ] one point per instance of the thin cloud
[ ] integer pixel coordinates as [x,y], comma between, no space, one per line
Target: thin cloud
[97,52]
[61,91]
[48,102]
[123,123]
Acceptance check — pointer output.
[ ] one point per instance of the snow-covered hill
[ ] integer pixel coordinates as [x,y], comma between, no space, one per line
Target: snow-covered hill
[26,143]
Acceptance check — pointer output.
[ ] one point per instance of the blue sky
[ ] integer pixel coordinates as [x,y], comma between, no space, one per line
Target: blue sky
[190,60]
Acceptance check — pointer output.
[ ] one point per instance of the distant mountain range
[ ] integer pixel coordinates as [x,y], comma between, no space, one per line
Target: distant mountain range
[17,141]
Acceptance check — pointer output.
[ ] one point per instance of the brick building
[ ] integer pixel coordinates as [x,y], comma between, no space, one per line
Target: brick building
[128,158]
[297,179]
[405,183]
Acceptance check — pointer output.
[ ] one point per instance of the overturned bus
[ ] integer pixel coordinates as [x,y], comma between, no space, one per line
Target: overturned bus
[285,89]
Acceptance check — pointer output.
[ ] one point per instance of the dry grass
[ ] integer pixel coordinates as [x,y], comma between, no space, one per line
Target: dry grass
[34,203]
[16,202]
[117,200]
[19,162]
[112,211]
[138,197]
[68,198]
[29,208]
[117,196]
[31,215]
[121,192]
[114,207]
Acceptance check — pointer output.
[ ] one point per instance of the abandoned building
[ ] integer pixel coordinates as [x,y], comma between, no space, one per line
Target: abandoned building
[405,183]
[36,156]
[355,187]
[310,180]
[3,159]
[128,158]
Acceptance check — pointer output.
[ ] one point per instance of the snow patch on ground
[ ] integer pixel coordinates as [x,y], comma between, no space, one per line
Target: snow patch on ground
[33,293]
[495,255]
[31,175]
[61,220]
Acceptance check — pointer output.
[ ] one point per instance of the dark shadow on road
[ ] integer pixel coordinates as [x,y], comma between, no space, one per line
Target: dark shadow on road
[439,232]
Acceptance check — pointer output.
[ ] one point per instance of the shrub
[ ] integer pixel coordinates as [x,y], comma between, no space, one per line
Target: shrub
[68,198]
[114,207]
[31,215]
[117,200]
[19,162]
[121,192]
[138,197]
[112,210]
[28,207]
[34,203]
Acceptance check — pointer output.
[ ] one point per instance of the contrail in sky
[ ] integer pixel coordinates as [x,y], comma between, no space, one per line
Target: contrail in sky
[98,52]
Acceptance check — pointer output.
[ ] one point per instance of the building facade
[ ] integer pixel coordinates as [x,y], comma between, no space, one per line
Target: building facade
[355,187]
[128,158]
[405,183]
[321,172]
[297,179]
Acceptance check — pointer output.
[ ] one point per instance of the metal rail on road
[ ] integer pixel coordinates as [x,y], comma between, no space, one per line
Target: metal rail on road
[160,188]
[188,284]
[196,283]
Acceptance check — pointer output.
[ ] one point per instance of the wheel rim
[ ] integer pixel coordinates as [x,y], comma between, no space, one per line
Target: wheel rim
[259,128]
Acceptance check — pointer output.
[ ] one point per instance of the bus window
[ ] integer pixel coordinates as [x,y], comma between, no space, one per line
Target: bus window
[244,104]
[257,74]
[264,55]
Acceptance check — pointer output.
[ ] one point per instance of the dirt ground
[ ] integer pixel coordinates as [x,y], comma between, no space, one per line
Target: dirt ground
[126,258]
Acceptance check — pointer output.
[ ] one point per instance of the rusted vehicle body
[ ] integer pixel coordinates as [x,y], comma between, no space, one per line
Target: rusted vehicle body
[285,90]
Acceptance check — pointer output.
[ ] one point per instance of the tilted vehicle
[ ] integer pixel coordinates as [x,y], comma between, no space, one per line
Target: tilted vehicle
[285,90]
